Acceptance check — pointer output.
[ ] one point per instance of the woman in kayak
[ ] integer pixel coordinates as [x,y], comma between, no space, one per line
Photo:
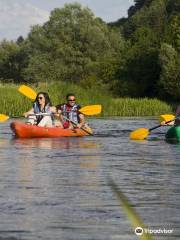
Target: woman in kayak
[41,105]
[69,114]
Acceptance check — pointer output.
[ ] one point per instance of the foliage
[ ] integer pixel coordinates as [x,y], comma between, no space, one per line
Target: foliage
[71,46]
[148,26]
[170,71]
[140,72]
[137,56]
[11,61]
[172,35]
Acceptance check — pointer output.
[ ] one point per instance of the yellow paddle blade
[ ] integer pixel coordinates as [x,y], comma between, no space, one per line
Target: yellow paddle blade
[91,110]
[28,92]
[166,117]
[3,117]
[139,134]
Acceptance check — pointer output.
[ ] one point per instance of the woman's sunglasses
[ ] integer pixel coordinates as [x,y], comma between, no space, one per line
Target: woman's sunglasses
[40,98]
[71,100]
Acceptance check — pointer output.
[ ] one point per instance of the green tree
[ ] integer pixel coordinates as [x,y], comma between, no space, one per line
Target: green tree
[12,61]
[140,72]
[172,35]
[173,7]
[170,72]
[71,45]
[150,14]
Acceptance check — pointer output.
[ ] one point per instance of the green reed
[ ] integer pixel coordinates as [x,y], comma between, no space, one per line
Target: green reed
[135,107]
[14,103]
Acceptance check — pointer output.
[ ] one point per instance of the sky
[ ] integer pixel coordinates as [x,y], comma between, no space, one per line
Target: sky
[17,16]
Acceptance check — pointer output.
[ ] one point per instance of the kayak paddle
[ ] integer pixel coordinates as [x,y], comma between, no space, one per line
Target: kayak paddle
[166,117]
[4,117]
[28,92]
[91,110]
[87,110]
[74,123]
[142,133]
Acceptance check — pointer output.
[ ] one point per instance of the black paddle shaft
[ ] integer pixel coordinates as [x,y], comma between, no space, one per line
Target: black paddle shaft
[161,125]
[76,125]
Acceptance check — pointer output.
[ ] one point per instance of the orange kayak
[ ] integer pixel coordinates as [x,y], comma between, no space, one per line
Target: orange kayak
[23,130]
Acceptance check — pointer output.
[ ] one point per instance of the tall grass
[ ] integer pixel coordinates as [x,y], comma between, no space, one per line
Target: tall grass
[14,103]
[136,107]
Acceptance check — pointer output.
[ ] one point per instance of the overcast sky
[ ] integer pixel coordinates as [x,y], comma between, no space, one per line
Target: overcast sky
[16,16]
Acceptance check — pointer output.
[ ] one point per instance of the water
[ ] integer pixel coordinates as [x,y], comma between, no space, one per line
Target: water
[59,188]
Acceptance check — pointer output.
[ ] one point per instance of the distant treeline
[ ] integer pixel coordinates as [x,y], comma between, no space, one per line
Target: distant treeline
[137,56]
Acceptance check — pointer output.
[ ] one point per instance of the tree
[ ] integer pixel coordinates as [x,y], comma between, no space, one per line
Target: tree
[172,35]
[140,72]
[173,7]
[170,72]
[12,60]
[71,45]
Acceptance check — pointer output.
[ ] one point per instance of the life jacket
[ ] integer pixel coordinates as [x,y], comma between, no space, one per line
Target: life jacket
[37,110]
[71,113]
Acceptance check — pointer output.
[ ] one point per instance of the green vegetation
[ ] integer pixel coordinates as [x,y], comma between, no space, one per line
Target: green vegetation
[152,61]
[135,57]
[14,104]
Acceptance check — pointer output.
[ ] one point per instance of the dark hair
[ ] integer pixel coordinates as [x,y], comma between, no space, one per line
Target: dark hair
[46,96]
[69,94]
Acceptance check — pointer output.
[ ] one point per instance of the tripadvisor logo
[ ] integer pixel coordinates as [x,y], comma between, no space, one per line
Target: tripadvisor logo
[139,231]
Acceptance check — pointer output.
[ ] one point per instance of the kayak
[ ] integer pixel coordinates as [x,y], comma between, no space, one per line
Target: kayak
[173,134]
[23,130]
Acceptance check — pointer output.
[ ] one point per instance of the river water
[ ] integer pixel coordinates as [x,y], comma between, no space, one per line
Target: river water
[59,188]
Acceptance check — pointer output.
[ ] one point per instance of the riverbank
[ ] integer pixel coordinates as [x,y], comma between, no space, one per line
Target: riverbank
[14,104]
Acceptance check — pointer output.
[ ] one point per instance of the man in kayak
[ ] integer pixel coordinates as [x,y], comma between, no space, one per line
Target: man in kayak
[69,114]
[37,114]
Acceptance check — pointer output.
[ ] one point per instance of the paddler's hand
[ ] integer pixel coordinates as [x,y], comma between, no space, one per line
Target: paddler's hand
[167,124]
[25,115]
[79,125]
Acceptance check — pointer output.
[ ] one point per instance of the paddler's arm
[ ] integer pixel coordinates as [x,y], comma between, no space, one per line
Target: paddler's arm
[53,110]
[31,111]
[58,115]
[82,121]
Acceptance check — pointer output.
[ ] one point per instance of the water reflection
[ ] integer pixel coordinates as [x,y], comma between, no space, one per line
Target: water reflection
[55,143]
